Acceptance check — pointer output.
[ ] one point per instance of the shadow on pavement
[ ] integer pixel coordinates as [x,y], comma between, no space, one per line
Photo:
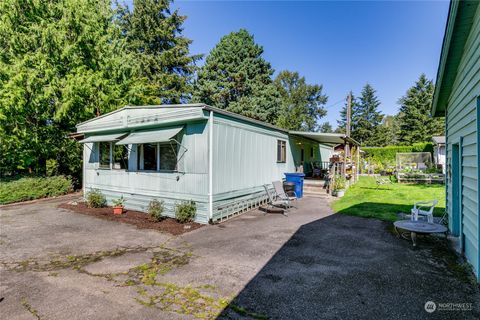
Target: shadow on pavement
[344,267]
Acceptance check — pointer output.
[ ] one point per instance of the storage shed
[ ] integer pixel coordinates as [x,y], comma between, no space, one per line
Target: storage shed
[220,160]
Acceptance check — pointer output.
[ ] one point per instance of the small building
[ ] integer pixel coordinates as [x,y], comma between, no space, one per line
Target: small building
[457,97]
[220,160]
[439,152]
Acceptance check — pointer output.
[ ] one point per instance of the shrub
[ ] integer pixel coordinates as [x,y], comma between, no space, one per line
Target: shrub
[96,199]
[155,209]
[340,182]
[17,189]
[185,211]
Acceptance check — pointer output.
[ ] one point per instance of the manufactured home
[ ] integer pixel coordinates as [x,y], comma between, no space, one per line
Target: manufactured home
[457,97]
[220,160]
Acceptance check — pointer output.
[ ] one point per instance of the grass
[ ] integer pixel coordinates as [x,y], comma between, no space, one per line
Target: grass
[363,199]
[29,188]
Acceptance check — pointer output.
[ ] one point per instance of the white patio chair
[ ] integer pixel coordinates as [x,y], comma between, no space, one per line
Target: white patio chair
[279,203]
[278,186]
[382,181]
[424,209]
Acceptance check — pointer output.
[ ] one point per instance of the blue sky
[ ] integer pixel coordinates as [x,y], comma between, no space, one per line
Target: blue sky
[339,44]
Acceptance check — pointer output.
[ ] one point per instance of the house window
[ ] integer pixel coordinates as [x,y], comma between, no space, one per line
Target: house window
[147,156]
[302,155]
[281,151]
[157,156]
[104,155]
[168,157]
[311,152]
[120,157]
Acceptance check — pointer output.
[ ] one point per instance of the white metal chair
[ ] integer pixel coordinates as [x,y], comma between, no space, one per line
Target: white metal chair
[279,203]
[278,186]
[424,209]
[382,181]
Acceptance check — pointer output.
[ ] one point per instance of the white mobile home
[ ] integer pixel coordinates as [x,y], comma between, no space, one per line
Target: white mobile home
[173,153]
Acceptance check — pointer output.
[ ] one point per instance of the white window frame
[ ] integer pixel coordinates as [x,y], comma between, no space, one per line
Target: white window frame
[140,164]
[110,165]
[283,152]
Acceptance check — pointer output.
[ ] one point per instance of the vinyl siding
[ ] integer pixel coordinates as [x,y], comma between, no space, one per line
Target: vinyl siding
[139,188]
[462,123]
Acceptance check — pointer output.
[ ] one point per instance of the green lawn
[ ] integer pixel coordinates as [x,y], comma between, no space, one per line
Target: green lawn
[363,199]
[29,188]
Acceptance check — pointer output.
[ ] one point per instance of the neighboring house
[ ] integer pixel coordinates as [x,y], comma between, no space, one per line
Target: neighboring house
[457,97]
[439,152]
[218,159]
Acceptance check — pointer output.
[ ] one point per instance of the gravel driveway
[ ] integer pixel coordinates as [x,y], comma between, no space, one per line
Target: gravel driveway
[56,264]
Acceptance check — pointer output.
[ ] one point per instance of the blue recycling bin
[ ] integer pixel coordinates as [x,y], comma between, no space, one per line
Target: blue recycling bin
[297,178]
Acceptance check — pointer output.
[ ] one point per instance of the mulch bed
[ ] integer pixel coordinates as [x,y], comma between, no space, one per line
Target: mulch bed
[140,219]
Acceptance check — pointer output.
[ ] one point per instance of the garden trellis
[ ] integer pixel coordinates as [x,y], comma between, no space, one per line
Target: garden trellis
[417,167]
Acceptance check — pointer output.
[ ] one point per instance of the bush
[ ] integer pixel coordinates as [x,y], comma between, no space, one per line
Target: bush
[340,182]
[185,211]
[96,199]
[155,209]
[16,189]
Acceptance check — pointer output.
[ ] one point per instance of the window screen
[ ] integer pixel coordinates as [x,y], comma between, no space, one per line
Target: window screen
[120,157]
[168,157]
[104,152]
[281,151]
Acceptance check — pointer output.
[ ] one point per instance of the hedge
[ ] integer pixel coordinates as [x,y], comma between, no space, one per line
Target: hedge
[28,188]
[383,157]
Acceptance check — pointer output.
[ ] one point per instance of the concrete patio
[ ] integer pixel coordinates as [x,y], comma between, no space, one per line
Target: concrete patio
[56,264]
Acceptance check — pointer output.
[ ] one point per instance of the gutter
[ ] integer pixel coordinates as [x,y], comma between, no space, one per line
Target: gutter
[210,166]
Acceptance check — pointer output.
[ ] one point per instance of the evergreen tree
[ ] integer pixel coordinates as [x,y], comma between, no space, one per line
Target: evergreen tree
[326,127]
[366,117]
[416,123]
[301,103]
[61,62]
[235,77]
[154,35]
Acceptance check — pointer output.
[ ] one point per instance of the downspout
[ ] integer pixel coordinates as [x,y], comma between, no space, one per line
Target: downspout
[210,166]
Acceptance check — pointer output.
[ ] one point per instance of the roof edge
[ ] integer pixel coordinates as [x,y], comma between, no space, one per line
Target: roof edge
[452,13]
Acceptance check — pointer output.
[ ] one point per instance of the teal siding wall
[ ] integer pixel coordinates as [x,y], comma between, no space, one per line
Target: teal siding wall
[245,157]
[139,188]
[462,127]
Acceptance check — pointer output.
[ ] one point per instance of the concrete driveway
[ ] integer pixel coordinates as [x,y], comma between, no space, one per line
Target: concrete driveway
[56,264]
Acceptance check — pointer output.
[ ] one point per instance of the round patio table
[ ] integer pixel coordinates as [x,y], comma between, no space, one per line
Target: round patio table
[419,227]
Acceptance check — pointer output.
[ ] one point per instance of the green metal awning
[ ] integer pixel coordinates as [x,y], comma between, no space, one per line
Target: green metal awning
[151,136]
[104,138]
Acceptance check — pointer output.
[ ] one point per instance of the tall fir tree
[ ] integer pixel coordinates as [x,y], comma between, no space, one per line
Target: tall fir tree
[237,78]
[154,36]
[301,103]
[416,123]
[61,62]
[366,117]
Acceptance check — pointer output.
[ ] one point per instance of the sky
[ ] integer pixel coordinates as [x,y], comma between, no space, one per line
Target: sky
[339,44]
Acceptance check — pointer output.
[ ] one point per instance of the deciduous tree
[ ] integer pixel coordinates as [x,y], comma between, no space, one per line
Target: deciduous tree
[301,103]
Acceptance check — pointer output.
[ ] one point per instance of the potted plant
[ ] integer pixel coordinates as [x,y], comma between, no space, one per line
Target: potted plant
[118,205]
[339,186]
